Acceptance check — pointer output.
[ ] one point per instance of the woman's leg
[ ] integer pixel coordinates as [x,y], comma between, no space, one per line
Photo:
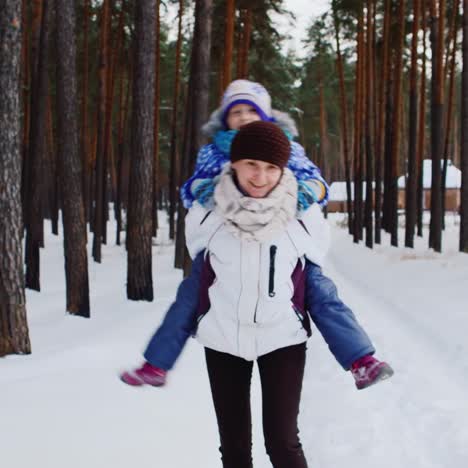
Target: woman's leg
[230,379]
[281,374]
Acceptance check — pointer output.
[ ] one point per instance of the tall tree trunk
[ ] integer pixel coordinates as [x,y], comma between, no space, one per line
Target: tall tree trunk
[396,132]
[101,169]
[14,334]
[84,137]
[369,124]
[197,110]
[421,128]
[411,183]
[174,162]
[228,42]
[157,100]
[139,230]
[358,120]
[50,170]
[343,118]
[464,137]
[26,83]
[34,229]
[74,224]
[380,137]
[246,35]
[449,74]
[437,108]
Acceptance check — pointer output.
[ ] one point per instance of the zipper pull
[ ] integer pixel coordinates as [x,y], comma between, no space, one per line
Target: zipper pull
[271,281]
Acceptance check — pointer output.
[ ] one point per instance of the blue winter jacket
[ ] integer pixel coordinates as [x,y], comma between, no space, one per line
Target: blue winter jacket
[335,321]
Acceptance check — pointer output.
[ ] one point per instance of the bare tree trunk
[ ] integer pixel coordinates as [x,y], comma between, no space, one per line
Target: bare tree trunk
[343,119]
[421,129]
[34,230]
[139,230]
[411,183]
[14,334]
[228,42]
[26,83]
[74,224]
[449,69]
[51,172]
[197,110]
[84,139]
[380,138]
[157,100]
[396,133]
[437,108]
[246,35]
[358,120]
[174,162]
[464,137]
[101,169]
[369,125]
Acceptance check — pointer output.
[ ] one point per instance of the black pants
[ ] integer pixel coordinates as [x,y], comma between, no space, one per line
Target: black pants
[281,374]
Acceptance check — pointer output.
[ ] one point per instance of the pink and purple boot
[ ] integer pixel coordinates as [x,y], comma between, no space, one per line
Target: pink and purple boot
[147,374]
[368,371]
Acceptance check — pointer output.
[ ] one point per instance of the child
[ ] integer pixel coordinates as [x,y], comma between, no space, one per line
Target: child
[242,103]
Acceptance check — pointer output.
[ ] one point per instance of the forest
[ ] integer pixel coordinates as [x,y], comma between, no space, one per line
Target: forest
[102,104]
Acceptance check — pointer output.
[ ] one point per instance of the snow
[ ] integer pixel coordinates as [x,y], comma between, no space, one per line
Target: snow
[452,179]
[64,405]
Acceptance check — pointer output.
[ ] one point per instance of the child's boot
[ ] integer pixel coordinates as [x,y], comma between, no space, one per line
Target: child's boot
[368,371]
[147,374]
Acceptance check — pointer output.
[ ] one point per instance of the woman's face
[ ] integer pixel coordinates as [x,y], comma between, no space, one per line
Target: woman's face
[257,178]
[241,114]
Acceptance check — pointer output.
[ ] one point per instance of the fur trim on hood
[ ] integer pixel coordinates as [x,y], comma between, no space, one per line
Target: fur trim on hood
[282,119]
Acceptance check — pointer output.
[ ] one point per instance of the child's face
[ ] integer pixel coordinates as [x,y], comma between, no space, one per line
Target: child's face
[241,114]
[257,178]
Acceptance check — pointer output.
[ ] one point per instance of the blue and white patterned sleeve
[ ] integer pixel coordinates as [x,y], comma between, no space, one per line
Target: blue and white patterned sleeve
[312,187]
[208,165]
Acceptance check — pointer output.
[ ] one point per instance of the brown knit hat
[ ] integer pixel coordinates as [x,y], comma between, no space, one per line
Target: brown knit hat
[261,141]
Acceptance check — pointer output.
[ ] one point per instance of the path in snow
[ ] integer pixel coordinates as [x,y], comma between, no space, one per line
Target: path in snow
[64,406]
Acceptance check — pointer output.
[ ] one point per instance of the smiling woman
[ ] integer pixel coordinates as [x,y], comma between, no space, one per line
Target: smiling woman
[256,178]
[259,157]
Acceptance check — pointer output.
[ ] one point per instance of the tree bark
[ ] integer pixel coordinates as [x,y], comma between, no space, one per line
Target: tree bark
[69,162]
[174,160]
[358,120]
[421,128]
[464,137]
[382,119]
[101,169]
[411,183]
[437,107]
[197,110]
[157,101]
[343,118]
[14,334]
[228,42]
[369,125]
[139,229]
[396,130]
[34,220]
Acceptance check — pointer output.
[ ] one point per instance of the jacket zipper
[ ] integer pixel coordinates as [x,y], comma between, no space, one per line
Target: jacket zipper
[258,284]
[271,282]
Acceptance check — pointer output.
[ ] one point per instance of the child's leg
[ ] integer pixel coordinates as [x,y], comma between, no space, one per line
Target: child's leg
[169,339]
[336,322]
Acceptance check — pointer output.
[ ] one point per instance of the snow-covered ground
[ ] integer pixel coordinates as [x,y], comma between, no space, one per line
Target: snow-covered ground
[63,406]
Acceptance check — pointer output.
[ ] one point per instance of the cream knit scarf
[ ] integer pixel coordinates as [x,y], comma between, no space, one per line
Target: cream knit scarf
[256,219]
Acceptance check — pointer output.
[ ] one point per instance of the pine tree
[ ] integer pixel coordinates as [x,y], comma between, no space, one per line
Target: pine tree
[14,335]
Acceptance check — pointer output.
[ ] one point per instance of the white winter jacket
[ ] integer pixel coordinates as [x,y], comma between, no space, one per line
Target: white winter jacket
[251,311]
